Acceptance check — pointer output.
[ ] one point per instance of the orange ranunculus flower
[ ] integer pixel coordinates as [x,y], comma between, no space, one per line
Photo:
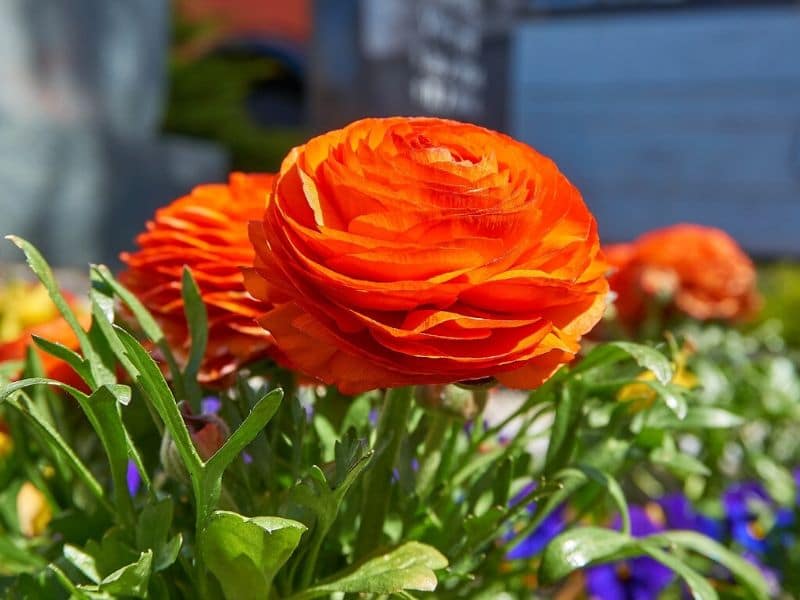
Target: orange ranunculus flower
[26,310]
[206,231]
[419,250]
[696,270]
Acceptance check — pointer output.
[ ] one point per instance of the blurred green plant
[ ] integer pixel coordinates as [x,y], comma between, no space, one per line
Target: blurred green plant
[208,93]
[780,285]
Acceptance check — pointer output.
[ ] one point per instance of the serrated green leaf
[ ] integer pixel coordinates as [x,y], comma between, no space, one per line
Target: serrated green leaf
[612,352]
[244,555]
[68,355]
[100,373]
[130,580]
[411,566]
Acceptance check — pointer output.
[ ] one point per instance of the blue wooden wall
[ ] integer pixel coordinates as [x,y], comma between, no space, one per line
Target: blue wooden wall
[661,117]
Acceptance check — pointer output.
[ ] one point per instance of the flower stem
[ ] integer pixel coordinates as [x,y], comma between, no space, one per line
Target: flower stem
[432,457]
[378,479]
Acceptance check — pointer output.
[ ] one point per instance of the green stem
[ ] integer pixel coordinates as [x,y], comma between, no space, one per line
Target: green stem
[378,479]
[432,456]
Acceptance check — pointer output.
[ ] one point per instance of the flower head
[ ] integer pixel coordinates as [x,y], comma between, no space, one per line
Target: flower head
[698,271]
[418,251]
[206,231]
[550,527]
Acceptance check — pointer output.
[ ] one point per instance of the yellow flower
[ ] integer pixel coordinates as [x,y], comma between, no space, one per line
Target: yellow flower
[642,396]
[23,305]
[33,511]
[6,441]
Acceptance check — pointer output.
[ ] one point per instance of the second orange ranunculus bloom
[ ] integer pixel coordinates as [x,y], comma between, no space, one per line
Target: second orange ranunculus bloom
[695,270]
[206,231]
[417,250]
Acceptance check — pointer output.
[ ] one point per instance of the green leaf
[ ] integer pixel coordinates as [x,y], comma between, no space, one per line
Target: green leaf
[778,480]
[142,315]
[569,412]
[612,352]
[252,425]
[152,531]
[197,323]
[698,585]
[501,487]
[15,559]
[100,374]
[156,391]
[57,445]
[102,410]
[244,554]
[678,463]
[82,561]
[602,478]
[69,356]
[130,580]
[745,572]
[697,417]
[408,567]
[100,273]
[580,547]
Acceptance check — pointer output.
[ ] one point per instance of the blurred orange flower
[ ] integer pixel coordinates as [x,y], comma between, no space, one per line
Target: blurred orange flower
[419,250]
[26,310]
[206,231]
[699,271]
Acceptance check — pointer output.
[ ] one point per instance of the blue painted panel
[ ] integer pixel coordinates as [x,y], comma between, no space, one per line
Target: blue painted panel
[665,117]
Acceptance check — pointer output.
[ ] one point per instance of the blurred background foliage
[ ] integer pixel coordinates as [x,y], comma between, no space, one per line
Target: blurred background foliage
[780,284]
[232,95]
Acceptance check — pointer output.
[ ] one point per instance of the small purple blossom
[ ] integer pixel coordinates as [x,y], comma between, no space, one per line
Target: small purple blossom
[134,479]
[210,405]
[680,514]
[247,458]
[745,503]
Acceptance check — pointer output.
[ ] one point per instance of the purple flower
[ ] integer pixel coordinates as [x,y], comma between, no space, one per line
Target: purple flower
[134,479]
[745,505]
[640,578]
[210,405]
[680,514]
[550,527]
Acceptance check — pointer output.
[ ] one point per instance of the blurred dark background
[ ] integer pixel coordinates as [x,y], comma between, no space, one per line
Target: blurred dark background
[659,110]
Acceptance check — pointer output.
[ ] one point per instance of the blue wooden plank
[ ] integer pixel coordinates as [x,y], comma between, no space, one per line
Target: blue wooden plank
[665,117]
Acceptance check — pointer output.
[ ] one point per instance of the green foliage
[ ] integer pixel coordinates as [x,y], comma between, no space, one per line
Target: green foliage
[306,497]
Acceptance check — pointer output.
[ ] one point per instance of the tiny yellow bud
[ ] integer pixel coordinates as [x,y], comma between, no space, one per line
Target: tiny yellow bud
[33,511]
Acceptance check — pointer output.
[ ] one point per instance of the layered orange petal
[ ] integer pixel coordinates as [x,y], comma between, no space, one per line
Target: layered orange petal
[207,232]
[419,250]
